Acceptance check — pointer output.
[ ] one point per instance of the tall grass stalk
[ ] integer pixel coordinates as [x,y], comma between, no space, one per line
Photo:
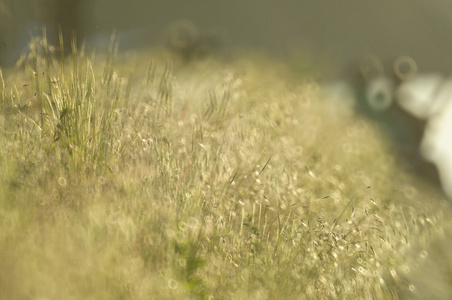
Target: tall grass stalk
[3,91]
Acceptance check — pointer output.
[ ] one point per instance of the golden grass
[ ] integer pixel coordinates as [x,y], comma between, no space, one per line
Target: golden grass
[201,180]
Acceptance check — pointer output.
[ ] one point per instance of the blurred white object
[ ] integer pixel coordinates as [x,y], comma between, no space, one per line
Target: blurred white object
[423,95]
[430,97]
[379,93]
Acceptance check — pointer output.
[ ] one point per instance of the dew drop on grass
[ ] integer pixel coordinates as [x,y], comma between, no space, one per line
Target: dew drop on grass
[173,284]
[182,262]
[393,272]
[62,181]
[101,180]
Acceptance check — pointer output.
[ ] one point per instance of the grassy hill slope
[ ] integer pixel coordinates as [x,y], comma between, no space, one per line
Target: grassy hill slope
[203,180]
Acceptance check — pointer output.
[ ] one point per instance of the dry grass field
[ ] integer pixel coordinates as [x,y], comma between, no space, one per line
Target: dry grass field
[146,177]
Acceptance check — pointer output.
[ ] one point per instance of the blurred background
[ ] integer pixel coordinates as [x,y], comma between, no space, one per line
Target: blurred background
[335,32]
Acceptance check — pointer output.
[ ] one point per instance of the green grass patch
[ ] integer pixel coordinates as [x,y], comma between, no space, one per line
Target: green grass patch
[146,177]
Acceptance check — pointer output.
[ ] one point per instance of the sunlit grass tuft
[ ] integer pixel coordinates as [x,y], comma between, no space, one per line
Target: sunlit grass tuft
[200,180]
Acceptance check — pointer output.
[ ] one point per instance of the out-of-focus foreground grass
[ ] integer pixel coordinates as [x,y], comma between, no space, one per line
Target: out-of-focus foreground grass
[203,180]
